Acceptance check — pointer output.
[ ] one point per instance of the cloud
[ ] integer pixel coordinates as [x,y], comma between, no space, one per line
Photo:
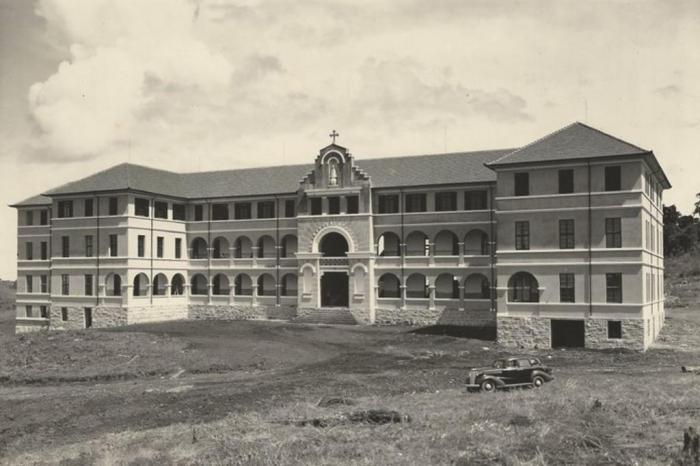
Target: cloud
[667,92]
[124,56]
[404,90]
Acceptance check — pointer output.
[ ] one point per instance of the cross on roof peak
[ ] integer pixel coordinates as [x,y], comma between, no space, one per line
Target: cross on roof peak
[334,134]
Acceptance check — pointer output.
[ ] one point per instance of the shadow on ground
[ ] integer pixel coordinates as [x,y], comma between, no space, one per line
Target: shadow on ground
[458,331]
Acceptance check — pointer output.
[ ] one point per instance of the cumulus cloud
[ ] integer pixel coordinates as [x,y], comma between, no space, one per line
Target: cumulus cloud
[123,55]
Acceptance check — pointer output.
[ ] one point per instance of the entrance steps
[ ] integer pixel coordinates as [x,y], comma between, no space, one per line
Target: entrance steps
[326,315]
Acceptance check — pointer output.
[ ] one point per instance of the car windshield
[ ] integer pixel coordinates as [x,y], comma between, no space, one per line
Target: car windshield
[499,364]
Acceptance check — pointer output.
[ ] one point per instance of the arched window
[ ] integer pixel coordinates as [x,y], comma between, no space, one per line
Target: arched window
[289,285]
[160,284]
[417,286]
[243,285]
[389,286]
[417,244]
[522,288]
[140,285]
[199,248]
[266,285]
[289,246]
[388,244]
[220,246]
[447,286]
[334,245]
[198,285]
[476,286]
[446,244]
[476,243]
[177,285]
[113,284]
[244,247]
[220,284]
[266,247]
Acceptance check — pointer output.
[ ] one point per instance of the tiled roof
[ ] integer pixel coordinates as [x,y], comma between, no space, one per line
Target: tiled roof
[461,167]
[576,141]
[38,200]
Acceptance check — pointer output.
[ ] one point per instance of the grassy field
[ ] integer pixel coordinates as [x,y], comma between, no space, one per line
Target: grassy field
[238,393]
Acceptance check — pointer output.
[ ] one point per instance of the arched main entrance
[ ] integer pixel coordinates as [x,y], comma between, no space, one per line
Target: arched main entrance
[334,289]
[333,245]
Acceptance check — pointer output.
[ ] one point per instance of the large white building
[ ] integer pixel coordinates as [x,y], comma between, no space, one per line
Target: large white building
[558,243]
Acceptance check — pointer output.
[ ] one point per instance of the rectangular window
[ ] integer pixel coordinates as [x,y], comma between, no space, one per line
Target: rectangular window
[64,314]
[141,246]
[652,230]
[44,283]
[65,209]
[567,288]
[44,217]
[388,204]
[178,211]
[178,248]
[198,213]
[219,211]
[159,246]
[290,208]
[475,200]
[160,209]
[266,209]
[141,207]
[113,206]
[28,311]
[44,250]
[613,177]
[416,202]
[43,312]
[316,206]
[352,204]
[88,317]
[65,285]
[522,235]
[613,233]
[29,218]
[242,210]
[88,285]
[566,181]
[65,246]
[613,287]
[445,201]
[29,251]
[113,246]
[522,184]
[334,205]
[566,234]
[614,329]
[30,283]
[89,209]
[88,246]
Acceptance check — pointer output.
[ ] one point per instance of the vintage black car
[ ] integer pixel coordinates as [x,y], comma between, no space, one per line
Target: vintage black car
[509,372]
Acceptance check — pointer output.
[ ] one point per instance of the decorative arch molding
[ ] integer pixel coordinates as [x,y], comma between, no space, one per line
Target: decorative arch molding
[340,228]
[307,266]
[332,153]
[359,266]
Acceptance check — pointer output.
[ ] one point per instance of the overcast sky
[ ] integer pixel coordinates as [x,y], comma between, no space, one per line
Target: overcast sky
[202,85]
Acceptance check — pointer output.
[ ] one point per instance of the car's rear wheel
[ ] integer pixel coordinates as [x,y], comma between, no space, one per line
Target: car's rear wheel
[537,381]
[488,386]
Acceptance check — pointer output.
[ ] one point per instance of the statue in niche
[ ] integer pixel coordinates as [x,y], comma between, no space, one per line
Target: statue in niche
[333,173]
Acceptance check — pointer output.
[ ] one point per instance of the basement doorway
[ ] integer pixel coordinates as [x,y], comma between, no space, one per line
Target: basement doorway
[334,289]
[568,334]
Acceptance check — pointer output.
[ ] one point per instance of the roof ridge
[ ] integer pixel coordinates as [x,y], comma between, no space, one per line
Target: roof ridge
[533,142]
[612,136]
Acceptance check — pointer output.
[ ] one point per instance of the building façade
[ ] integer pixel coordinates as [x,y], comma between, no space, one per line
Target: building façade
[557,243]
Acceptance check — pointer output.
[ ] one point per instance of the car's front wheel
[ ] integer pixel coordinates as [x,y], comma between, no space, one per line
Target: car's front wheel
[488,386]
[537,381]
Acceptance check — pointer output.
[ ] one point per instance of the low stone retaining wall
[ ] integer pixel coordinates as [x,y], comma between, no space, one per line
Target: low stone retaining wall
[158,313]
[102,317]
[240,312]
[425,316]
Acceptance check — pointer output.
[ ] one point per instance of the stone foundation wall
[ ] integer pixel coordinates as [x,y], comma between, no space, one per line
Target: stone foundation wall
[156,313]
[226,312]
[281,312]
[102,317]
[361,315]
[524,332]
[26,326]
[634,335]
[425,316]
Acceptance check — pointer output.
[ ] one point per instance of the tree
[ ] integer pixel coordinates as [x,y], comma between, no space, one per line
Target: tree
[681,232]
[697,205]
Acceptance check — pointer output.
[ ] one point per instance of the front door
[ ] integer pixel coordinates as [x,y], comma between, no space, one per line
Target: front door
[334,289]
